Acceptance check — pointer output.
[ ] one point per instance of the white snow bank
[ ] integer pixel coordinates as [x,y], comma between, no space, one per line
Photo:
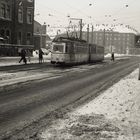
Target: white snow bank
[113,114]
[121,104]
[116,100]
[118,55]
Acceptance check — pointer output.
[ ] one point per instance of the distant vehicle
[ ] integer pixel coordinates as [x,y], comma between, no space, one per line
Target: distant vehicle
[75,51]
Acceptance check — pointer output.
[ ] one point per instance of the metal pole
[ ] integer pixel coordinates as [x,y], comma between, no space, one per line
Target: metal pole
[104,39]
[88,33]
[112,45]
[41,38]
[92,35]
[139,72]
[80,29]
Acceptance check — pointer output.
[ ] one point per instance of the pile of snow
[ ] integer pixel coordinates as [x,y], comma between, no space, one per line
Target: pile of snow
[115,114]
[116,55]
[108,55]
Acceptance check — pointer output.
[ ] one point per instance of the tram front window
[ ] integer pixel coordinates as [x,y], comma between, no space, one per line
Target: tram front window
[58,48]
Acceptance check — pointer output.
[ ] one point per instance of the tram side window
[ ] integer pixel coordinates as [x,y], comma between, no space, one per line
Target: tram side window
[79,48]
[82,49]
[69,48]
[93,49]
[100,50]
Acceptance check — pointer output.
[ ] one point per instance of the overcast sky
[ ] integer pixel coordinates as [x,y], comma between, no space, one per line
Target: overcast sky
[124,13]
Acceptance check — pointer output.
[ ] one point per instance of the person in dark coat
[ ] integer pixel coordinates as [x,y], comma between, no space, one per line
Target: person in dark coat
[23,56]
[40,56]
[112,56]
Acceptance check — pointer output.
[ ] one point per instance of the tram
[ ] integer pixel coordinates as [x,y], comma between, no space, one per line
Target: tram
[75,51]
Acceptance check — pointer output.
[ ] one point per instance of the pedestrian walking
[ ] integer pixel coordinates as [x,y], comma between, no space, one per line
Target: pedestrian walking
[40,56]
[23,56]
[112,56]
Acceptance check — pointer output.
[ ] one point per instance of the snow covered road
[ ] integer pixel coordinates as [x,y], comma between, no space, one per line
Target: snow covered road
[23,106]
[113,115]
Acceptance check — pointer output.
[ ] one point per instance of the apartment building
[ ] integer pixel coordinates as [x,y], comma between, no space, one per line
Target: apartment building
[16,25]
[113,41]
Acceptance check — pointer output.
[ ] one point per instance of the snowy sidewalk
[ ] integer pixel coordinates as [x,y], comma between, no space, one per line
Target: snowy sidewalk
[113,115]
[10,80]
[8,61]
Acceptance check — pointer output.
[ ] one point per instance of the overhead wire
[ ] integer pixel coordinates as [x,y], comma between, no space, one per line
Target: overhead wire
[87,16]
[128,17]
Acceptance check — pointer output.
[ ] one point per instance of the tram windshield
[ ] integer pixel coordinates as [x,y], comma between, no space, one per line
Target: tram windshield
[58,47]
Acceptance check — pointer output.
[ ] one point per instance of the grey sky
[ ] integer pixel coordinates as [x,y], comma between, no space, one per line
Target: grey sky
[56,12]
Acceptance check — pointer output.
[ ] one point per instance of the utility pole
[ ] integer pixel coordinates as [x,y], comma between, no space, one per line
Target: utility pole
[40,37]
[42,34]
[112,42]
[139,72]
[88,33]
[92,35]
[81,29]
[104,38]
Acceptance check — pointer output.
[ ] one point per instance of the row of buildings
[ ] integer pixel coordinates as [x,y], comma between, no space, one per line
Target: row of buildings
[122,43]
[19,30]
[16,21]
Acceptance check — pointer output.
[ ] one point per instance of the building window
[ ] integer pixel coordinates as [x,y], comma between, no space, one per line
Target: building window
[29,15]
[7,33]
[20,14]
[8,36]
[2,33]
[28,38]
[38,31]
[19,41]
[8,12]
[3,10]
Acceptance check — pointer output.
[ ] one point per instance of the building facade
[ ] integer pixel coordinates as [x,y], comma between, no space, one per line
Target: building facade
[6,20]
[16,25]
[122,43]
[40,35]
